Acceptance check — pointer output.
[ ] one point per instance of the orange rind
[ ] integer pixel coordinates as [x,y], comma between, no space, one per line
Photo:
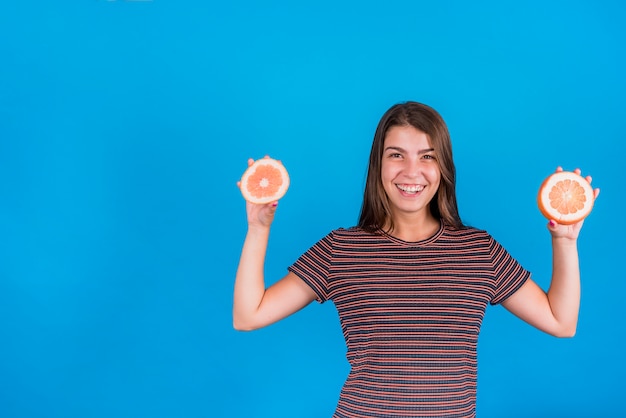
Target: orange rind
[565,197]
[266,180]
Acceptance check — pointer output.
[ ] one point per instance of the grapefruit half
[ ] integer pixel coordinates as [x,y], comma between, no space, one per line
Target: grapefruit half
[565,197]
[265,181]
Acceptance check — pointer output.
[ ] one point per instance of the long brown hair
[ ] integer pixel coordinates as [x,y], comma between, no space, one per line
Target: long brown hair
[375,210]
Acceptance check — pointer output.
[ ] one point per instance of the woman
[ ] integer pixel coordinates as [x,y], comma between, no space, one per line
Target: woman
[410,283]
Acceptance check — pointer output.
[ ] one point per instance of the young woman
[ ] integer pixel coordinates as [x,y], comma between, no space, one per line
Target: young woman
[410,283]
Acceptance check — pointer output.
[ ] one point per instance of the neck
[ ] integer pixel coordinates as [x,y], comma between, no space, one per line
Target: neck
[413,230]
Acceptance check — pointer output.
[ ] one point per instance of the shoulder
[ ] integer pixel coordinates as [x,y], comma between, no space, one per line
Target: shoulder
[350,233]
[354,236]
[353,231]
[466,237]
[467,232]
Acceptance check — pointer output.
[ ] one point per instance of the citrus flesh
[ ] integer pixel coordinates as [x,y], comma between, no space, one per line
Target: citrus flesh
[565,197]
[266,180]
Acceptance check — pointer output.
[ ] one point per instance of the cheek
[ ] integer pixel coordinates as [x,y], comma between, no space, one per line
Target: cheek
[435,170]
[434,174]
[386,174]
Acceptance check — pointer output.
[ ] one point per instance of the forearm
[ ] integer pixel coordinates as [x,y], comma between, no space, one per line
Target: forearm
[564,291]
[249,281]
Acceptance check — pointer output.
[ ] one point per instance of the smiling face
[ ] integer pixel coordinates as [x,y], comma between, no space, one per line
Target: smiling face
[383,205]
[410,173]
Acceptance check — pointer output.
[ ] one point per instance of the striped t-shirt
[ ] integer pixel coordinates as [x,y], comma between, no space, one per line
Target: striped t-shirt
[411,314]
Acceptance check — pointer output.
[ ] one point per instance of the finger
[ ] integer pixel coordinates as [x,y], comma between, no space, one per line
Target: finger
[559,168]
[577,171]
[271,209]
[596,193]
[239,184]
[250,161]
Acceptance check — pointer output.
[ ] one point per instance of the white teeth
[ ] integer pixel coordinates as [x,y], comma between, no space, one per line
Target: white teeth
[413,188]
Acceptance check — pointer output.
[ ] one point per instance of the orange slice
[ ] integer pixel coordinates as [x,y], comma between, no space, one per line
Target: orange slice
[565,197]
[266,180]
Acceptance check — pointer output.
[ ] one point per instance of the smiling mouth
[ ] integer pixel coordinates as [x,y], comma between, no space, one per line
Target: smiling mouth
[410,188]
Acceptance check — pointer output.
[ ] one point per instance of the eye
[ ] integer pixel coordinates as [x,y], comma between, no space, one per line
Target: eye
[429,157]
[394,155]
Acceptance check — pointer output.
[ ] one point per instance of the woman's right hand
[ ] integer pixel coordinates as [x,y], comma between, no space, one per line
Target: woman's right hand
[259,215]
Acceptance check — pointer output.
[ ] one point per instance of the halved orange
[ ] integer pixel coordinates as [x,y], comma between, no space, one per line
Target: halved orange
[565,197]
[265,181]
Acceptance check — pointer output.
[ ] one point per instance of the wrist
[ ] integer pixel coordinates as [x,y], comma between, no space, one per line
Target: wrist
[564,242]
[258,230]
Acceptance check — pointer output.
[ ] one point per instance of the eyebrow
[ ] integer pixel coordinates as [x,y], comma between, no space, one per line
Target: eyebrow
[422,151]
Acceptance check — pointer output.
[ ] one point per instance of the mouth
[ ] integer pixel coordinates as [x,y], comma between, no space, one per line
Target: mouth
[410,188]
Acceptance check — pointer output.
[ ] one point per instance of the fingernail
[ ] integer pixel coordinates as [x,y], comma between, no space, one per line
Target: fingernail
[552,223]
[275,204]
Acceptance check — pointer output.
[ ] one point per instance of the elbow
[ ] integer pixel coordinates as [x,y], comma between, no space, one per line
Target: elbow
[241,322]
[240,325]
[568,332]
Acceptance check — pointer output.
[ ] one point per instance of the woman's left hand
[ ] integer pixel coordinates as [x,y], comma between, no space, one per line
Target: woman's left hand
[569,231]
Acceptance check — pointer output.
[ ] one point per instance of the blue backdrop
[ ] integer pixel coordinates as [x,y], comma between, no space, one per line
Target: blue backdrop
[124,126]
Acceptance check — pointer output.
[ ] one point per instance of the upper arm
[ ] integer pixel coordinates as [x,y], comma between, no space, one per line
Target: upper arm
[530,303]
[283,298]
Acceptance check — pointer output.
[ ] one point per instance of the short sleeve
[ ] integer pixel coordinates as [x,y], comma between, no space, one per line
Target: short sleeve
[313,267]
[508,273]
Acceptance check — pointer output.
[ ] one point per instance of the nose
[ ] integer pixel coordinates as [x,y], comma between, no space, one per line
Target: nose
[412,168]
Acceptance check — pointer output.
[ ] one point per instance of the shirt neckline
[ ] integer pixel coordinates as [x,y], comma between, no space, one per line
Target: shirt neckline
[421,243]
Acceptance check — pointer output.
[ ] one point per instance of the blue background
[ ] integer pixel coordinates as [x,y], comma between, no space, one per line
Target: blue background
[124,126]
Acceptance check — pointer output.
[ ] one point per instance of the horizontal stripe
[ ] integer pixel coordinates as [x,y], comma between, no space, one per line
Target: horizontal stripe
[411,315]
